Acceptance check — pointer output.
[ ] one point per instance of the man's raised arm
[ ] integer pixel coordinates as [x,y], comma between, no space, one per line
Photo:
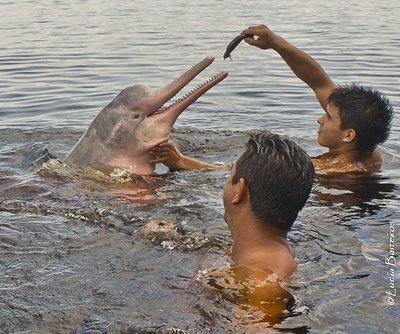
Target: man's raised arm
[303,65]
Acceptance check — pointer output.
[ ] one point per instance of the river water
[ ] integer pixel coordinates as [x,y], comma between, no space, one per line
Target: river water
[71,261]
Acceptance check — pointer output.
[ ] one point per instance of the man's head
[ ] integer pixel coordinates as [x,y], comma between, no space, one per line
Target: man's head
[364,118]
[278,175]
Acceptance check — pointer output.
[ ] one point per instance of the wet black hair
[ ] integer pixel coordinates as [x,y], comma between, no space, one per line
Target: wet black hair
[365,110]
[279,175]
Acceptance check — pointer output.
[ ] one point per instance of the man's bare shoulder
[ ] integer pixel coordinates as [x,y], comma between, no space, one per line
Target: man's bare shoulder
[330,163]
[324,165]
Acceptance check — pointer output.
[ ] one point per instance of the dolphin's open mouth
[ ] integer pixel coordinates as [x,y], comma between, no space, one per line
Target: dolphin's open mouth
[171,90]
[194,94]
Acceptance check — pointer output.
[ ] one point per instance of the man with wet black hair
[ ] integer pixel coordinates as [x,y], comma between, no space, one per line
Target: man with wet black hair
[267,187]
[356,118]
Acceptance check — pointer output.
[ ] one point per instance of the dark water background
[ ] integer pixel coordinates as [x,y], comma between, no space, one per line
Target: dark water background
[69,260]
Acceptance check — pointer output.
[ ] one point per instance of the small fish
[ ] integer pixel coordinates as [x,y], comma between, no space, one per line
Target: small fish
[234,43]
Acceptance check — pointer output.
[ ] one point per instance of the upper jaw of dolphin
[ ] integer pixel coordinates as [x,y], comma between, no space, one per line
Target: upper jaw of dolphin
[169,91]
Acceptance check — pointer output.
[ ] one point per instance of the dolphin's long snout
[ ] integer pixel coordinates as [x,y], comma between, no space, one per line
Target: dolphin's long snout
[169,91]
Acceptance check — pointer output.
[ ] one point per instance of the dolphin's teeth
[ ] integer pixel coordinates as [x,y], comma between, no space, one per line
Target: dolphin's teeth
[187,95]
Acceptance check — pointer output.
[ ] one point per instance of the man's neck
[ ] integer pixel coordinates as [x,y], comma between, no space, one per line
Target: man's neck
[261,246]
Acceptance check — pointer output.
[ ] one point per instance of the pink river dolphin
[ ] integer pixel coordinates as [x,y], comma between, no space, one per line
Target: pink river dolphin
[126,129]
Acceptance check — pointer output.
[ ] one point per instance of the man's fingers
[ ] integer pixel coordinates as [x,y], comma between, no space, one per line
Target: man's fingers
[159,142]
[253,30]
[250,40]
[157,159]
[160,151]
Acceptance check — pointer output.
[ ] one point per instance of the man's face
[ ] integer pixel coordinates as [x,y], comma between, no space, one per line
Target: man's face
[329,133]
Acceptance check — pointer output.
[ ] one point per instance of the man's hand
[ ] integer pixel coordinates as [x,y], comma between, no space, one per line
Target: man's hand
[266,38]
[168,154]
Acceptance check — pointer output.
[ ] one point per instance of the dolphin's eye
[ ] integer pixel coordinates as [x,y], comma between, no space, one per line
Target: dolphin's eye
[136,115]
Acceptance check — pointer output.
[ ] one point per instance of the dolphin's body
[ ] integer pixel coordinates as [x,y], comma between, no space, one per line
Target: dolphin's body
[135,121]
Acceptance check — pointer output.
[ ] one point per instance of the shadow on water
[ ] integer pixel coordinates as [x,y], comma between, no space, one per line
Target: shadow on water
[362,194]
[96,250]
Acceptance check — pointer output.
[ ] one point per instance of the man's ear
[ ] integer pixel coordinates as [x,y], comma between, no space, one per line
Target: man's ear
[350,135]
[240,191]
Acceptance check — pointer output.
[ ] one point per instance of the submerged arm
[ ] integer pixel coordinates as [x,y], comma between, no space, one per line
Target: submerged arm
[302,64]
